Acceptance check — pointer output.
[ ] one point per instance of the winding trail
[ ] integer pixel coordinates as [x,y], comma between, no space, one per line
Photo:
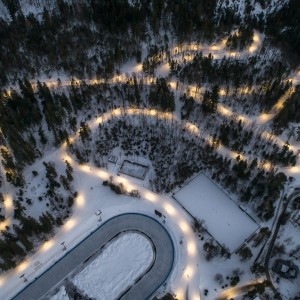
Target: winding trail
[143,288]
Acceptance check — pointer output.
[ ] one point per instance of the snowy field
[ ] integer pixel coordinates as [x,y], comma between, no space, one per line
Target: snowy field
[116,268]
[224,220]
[133,169]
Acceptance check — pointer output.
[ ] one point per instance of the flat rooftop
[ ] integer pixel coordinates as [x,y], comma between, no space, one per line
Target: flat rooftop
[224,219]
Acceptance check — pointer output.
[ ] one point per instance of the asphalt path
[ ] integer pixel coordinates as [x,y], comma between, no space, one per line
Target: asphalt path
[143,288]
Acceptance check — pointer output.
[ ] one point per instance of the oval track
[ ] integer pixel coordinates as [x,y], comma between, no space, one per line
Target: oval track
[142,289]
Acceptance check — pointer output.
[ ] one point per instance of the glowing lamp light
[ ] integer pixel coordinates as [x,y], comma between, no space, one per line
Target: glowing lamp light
[70,224]
[222,92]
[189,272]
[294,170]
[150,196]
[47,245]
[8,202]
[170,209]
[184,226]
[256,38]
[191,247]
[179,293]
[23,266]
[85,168]
[80,200]
[5,223]
[2,281]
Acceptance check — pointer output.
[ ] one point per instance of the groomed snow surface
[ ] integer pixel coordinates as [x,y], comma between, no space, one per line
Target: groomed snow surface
[224,220]
[115,269]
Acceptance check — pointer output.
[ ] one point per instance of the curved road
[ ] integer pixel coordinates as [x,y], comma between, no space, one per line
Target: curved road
[142,289]
[291,197]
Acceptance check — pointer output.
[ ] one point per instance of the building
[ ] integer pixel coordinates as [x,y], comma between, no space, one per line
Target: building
[285,268]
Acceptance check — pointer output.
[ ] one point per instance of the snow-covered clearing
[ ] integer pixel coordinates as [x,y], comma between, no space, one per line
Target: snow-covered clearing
[223,218]
[116,268]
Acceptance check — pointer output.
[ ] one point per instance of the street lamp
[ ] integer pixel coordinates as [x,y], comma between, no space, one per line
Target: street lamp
[24,278]
[64,246]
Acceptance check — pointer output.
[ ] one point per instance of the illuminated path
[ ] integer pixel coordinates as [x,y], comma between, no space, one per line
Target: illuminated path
[144,288]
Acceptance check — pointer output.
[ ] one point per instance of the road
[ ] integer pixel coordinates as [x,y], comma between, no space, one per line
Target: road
[274,236]
[144,288]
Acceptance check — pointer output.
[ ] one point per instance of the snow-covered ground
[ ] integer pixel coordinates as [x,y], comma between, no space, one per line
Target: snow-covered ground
[116,268]
[223,218]
[61,295]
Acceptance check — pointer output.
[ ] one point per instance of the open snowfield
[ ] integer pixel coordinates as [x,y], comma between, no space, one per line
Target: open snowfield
[116,268]
[223,218]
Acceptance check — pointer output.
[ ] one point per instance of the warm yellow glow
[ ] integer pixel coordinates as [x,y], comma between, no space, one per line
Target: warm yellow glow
[85,168]
[80,200]
[189,271]
[225,111]
[252,48]
[214,48]
[65,156]
[70,224]
[117,112]
[2,280]
[232,53]
[222,92]
[102,174]
[184,226]
[47,245]
[173,84]
[294,170]
[170,209]
[192,128]
[8,202]
[179,294]
[153,112]
[195,297]
[5,223]
[263,118]
[138,68]
[23,266]
[246,90]
[192,249]
[150,196]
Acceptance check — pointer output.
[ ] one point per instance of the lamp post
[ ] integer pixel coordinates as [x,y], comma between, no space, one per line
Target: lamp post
[64,246]
[24,278]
